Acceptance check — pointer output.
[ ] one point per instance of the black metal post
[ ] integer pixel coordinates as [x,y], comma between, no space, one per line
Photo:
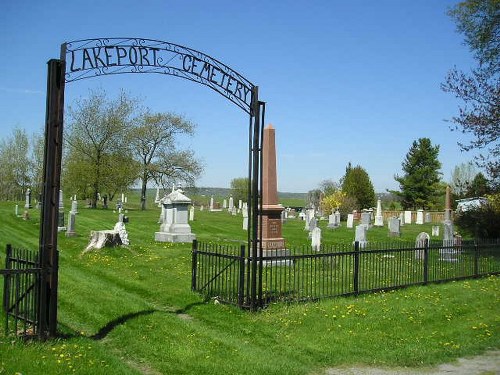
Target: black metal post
[262,109]
[241,284]
[194,265]
[255,195]
[476,259]
[50,199]
[6,287]
[356,267]
[426,261]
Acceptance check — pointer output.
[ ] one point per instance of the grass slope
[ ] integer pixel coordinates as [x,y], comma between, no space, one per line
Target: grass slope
[131,311]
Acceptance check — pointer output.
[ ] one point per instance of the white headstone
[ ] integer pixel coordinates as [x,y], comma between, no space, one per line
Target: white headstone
[240,204]
[231,204]
[379,218]
[211,206]
[316,239]
[157,198]
[61,200]
[401,218]
[350,220]
[224,204]
[407,217]
[74,206]
[435,231]
[420,217]
[17,210]
[306,220]
[191,213]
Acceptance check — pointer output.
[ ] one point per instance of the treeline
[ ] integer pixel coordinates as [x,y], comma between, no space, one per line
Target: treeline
[110,145]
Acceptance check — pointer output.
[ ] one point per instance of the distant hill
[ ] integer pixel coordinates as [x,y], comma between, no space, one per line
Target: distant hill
[298,198]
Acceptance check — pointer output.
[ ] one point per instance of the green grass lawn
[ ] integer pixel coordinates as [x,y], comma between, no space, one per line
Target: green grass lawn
[130,310]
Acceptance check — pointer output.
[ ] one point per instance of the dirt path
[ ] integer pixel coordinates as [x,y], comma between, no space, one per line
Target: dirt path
[485,364]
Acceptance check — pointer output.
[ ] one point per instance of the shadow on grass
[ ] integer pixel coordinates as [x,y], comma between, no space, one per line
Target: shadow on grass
[104,331]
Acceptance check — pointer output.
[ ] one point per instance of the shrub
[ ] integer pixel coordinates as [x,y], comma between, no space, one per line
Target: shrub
[482,222]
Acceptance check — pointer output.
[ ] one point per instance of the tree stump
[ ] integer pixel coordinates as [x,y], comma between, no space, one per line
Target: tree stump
[102,238]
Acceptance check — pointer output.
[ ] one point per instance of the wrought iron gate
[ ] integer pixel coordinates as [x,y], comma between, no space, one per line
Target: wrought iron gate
[21,294]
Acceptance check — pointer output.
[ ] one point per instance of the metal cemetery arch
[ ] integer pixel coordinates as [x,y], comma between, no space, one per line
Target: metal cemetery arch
[104,56]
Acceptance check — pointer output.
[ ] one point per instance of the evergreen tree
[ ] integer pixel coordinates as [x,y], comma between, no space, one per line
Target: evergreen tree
[479,186]
[356,184]
[419,184]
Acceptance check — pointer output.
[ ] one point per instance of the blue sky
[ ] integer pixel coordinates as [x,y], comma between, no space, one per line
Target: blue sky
[344,81]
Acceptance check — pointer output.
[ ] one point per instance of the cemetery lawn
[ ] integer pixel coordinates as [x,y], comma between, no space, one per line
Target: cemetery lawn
[131,311]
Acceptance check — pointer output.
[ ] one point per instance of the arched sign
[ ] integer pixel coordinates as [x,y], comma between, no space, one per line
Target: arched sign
[95,57]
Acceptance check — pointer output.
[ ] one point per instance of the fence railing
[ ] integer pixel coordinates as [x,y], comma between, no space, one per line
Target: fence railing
[22,276]
[223,272]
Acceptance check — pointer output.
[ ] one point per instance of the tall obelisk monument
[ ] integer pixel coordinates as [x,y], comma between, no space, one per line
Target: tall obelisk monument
[272,240]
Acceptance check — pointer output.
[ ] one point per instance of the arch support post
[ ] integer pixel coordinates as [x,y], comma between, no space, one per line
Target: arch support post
[255,188]
[47,322]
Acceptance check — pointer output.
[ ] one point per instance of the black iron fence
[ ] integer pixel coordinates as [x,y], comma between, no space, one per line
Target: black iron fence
[224,272]
[22,276]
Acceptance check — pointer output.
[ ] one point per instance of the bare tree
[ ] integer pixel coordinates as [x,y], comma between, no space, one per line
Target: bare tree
[97,132]
[153,142]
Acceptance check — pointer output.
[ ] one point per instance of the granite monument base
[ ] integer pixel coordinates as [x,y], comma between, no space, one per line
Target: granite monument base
[174,237]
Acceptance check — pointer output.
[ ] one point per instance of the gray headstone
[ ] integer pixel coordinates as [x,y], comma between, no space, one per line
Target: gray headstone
[71,224]
[27,204]
[394,227]
[360,236]
[420,241]
[427,217]
[366,218]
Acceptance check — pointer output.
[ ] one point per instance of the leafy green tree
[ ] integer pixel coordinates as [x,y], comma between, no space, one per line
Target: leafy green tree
[357,185]
[96,134]
[461,179]
[239,189]
[420,183]
[479,90]
[15,170]
[153,142]
[37,147]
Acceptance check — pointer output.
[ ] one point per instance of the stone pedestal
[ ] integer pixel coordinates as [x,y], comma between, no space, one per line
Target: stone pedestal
[175,226]
[271,228]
